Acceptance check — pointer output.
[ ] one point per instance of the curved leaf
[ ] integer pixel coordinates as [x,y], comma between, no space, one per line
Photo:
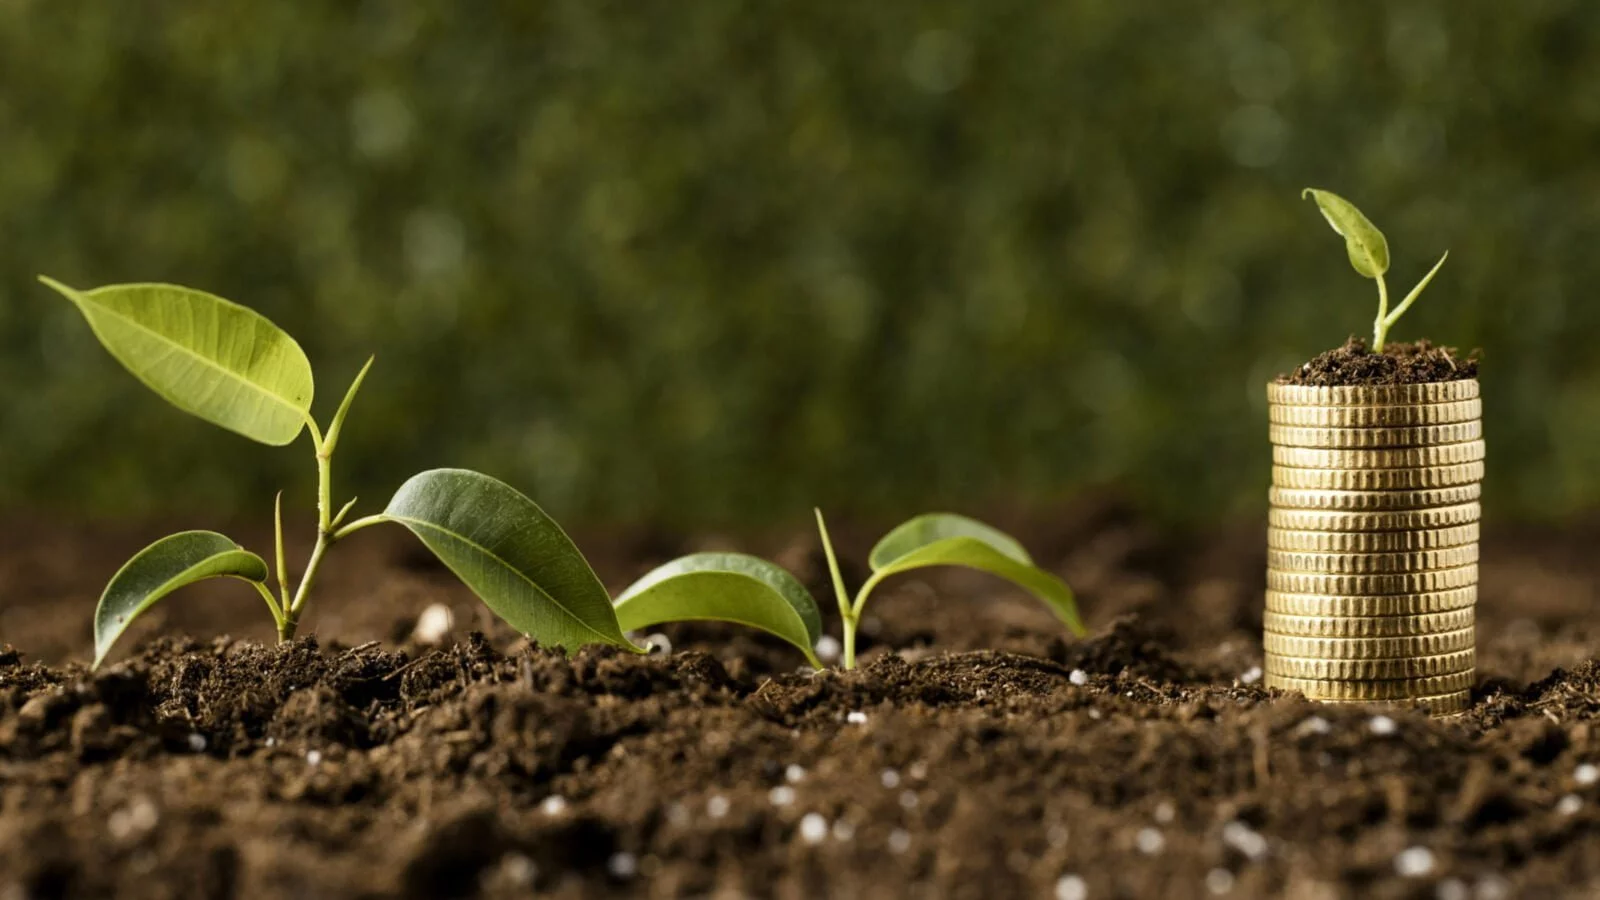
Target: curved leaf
[1365,244]
[926,529]
[511,554]
[726,587]
[942,539]
[207,356]
[161,568]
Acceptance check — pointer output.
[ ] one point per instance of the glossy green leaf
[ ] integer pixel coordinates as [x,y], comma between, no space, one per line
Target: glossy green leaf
[1365,244]
[207,356]
[725,587]
[511,554]
[943,539]
[161,568]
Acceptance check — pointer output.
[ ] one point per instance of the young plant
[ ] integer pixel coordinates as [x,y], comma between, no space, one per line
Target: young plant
[232,367]
[732,586]
[1369,254]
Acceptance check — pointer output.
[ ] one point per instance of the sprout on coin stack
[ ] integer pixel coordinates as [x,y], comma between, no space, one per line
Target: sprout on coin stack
[1373,539]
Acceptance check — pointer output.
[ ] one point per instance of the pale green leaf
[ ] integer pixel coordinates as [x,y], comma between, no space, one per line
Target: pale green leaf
[511,554]
[926,529]
[943,539]
[161,568]
[207,356]
[725,587]
[1365,244]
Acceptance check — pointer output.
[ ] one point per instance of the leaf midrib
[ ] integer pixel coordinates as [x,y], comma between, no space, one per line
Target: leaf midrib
[410,521]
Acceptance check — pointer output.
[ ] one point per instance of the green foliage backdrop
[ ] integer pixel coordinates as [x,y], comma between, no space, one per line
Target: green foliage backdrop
[719,260]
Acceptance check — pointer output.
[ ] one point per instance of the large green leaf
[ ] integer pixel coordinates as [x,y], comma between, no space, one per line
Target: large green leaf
[1363,242]
[161,568]
[726,587]
[943,539]
[513,556]
[208,356]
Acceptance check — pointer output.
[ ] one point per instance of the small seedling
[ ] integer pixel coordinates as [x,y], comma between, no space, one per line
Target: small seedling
[232,367]
[740,588]
[1369,254]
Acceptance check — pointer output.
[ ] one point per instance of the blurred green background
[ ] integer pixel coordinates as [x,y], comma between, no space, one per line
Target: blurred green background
[713,262]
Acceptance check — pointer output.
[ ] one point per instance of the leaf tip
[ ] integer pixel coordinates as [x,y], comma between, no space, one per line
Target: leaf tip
[1308,193]
[56,286]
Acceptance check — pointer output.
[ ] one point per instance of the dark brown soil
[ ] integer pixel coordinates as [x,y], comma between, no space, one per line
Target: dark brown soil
[978,753]
[1354,364]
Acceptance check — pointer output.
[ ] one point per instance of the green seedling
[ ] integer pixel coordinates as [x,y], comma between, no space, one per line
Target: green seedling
[740,588]
[232,367]
[1369,254]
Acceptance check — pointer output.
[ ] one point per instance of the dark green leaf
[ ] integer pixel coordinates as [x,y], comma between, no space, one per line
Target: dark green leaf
[727,587]
[161,568]
[511,554]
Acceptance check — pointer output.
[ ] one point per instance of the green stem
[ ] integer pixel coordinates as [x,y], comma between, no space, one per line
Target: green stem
[1380,325]
[849,642]
[357,525]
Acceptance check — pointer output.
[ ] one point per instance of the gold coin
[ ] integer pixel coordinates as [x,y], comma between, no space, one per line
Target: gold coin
[1375,416]
[1369,501]
[1372,563]
[1390,458]
[1362,648]
[1377,479]
[1436,705]
[1364,691]
[1415,604]
[1404,521]
[1368,626]
[1366,585]
[1334,541]
[1375,438]
[1370,669]
[1372,394]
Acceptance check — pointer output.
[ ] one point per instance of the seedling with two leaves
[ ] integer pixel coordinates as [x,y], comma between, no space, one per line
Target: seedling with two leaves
[746,583]
[1368,250]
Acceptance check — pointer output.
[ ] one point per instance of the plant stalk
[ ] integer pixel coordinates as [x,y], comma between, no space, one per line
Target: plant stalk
[1380,325]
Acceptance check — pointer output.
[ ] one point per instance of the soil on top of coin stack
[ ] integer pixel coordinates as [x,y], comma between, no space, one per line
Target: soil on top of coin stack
[1353,364]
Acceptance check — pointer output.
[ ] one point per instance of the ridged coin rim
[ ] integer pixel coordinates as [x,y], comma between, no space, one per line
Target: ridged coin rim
[1396,541]
[1368,626]
[1388,458]
[1375,438]
[1359,585]
[1368,691]
[1413,604]
[1392,521]
[1395,563]
[1369,648]
[1373,394]
[1375,416]
[1401,668]
[1418,478]
[1372,501]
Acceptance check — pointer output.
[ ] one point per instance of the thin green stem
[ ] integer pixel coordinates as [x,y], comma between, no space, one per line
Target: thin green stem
[266,594]
[357,525]
[1380,325]
[283,569]
[846,612]
[849,642]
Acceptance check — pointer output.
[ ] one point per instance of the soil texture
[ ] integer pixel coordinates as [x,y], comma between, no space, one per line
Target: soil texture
[979,751]
[1353,364]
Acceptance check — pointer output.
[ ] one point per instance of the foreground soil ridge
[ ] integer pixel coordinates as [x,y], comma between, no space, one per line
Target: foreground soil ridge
[234,769]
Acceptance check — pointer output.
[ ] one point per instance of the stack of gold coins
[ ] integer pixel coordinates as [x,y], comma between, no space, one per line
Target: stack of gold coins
[1372,559]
